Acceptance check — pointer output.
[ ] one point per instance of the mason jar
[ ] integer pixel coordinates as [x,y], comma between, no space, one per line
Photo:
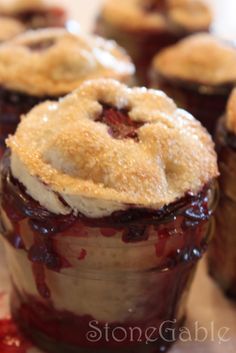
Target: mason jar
[222,253]
[196,73]
[103,227]
[120,282]
[207,103]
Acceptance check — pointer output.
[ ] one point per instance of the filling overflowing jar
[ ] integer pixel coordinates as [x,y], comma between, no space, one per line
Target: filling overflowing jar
[222,253]
[51,63]
[144,27]
[199,73]
[34,13]
[105,212]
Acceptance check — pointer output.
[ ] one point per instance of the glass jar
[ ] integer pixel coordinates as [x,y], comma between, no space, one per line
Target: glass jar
[118,283]
[144,39]
[222,253]
[205,103]
[141,46]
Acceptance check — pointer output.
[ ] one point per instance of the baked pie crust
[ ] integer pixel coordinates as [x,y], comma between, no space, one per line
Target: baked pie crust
[200,58]
[9,28]
[54,62]
[74,155]
[187,15]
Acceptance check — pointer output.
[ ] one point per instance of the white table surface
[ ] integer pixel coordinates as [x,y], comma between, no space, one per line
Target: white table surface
[207,304]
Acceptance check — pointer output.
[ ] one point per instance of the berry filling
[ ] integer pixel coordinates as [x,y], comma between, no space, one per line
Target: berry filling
[11,339]
[64,327]
[225,137]
[222,253]
[231,140]
[205,103]
[159,6]
[183,222]
[177,235]
[51,17]
[121,126]
[41,45]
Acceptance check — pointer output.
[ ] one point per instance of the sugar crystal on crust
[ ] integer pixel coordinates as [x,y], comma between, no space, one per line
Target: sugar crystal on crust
[200,58]
[179,15]
[74,155]
[9,28]
[54,62]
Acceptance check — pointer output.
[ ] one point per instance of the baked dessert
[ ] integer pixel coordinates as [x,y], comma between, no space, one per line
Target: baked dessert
[34,14]
[9,28]
[51,63]
[222,254]
[199,73]
[143,27]
[105,217]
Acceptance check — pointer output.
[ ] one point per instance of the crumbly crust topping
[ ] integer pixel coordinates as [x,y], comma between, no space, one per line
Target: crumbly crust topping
[62,146]
[54,62]
[9,28]
[231,113]
[201,58]
[187,15]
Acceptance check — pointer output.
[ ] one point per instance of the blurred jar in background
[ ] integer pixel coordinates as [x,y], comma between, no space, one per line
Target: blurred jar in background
[50,64]
[34,13]
[143,27]
[222,253]
[199,73]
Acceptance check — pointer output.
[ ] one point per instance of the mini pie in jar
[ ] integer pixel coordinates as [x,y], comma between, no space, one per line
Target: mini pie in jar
[199,73]
[105,209]
[50,64]
[143,27]
[222,253]
[34,13]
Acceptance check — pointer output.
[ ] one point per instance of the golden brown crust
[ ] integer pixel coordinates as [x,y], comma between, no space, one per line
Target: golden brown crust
[187,15]
[231,113]
[15,7]
[200,58]
[66,61]
[75,156]
[9,28]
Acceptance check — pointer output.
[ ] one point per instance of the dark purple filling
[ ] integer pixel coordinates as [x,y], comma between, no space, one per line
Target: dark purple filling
[205,103]
[181,239]
[160,6]
[20,205]
[121,126]
[11,339]
[231,140]
[50,17]
[41,45]
[223,89]
[61,328]
[186,217]
[225,136]
[222,252]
